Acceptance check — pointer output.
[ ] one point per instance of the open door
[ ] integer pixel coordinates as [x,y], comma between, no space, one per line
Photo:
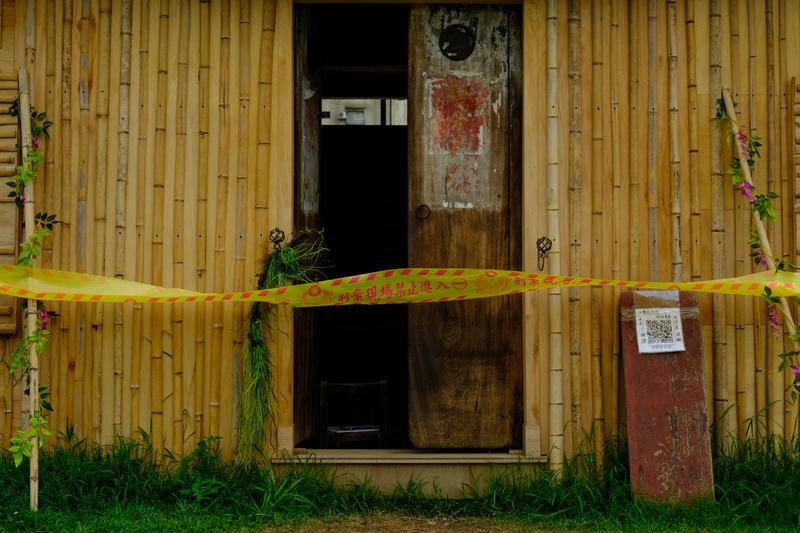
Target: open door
[465,358]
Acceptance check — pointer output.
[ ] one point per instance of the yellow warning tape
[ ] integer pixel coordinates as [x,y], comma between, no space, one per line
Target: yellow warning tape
[409,285]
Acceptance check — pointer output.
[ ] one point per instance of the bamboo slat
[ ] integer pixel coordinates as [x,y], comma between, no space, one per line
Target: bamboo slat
[213,315]
[534,224]
[171,326]
[620,206]
[280,194]
[124,219]
[226,226]
[575,162]
[192,229]
[556,441]
[721,398]
[595,219]
[201,346]
[180,237]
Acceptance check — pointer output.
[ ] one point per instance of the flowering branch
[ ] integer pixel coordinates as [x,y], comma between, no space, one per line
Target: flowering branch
[746,149]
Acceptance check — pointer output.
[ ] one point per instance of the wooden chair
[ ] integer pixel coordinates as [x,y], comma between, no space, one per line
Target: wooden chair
[354,414]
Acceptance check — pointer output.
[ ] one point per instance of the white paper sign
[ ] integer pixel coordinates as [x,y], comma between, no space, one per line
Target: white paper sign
[659,330]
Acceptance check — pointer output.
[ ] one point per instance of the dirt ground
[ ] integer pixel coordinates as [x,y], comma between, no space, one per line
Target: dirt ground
[390,523]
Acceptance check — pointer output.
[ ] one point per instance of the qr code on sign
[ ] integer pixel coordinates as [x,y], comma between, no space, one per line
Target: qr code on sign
[659,331]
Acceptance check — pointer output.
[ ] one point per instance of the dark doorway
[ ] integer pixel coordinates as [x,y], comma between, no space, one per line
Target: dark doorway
[352,78]
[442,191]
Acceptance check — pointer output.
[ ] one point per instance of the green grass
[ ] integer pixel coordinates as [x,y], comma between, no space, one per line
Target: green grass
[130,486]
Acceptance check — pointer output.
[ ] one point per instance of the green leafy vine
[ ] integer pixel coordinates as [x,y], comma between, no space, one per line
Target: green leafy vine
[23,441]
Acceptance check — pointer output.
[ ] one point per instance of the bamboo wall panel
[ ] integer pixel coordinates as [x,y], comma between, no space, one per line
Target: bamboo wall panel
[649,194]
[162,168]
[158,167]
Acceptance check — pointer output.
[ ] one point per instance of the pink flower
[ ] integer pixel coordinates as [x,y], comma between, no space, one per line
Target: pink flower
[22,198]
[795,369]
[759,258]
[43,313]
[744,144]
[35,143]
[747,191]
[772,316]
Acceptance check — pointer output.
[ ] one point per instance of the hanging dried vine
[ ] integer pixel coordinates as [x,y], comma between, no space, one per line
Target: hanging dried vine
[302,260]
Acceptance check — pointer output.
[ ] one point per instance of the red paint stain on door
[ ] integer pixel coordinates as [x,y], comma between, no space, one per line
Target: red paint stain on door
[460,113]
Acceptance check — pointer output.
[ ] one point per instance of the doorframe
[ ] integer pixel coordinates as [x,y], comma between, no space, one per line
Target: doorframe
[281,210]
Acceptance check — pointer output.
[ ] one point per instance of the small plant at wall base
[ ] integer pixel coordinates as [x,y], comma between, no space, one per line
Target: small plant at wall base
[746,152]
[302,260]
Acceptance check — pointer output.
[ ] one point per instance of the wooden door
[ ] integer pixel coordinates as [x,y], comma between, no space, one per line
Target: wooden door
[307,106]
[465,362]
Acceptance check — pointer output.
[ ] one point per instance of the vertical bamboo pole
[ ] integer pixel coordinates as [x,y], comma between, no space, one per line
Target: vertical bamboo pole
[620,206]
[192,357]
[638,160]
[652,139]
[280,205]
[160,18]
[115,200]
[103,367]
[556,442]
[721,400]
[694,189]
[30,323]
[126,191]
[675,162]
[138,175]
[533,54]
[55,76]
[148,89]
[634,137]
[595,263]
[179,231]
[575,208]
[81,177]
[264,131]
[737,214]
[603,319]
[761,87]
[213,315]
[203,205]
[264,183]
[172,236]
[789,64]
[254,46]
[227,254]
[66,129]
[239,181]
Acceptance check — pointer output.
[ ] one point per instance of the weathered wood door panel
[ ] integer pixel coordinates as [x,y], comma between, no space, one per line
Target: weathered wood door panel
[465,365]
[308,105]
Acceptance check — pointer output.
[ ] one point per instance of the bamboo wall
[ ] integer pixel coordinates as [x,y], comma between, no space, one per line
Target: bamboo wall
[160,166]
[157,165]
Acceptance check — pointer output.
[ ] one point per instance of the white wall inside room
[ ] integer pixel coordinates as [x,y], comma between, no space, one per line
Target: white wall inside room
[364,111]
